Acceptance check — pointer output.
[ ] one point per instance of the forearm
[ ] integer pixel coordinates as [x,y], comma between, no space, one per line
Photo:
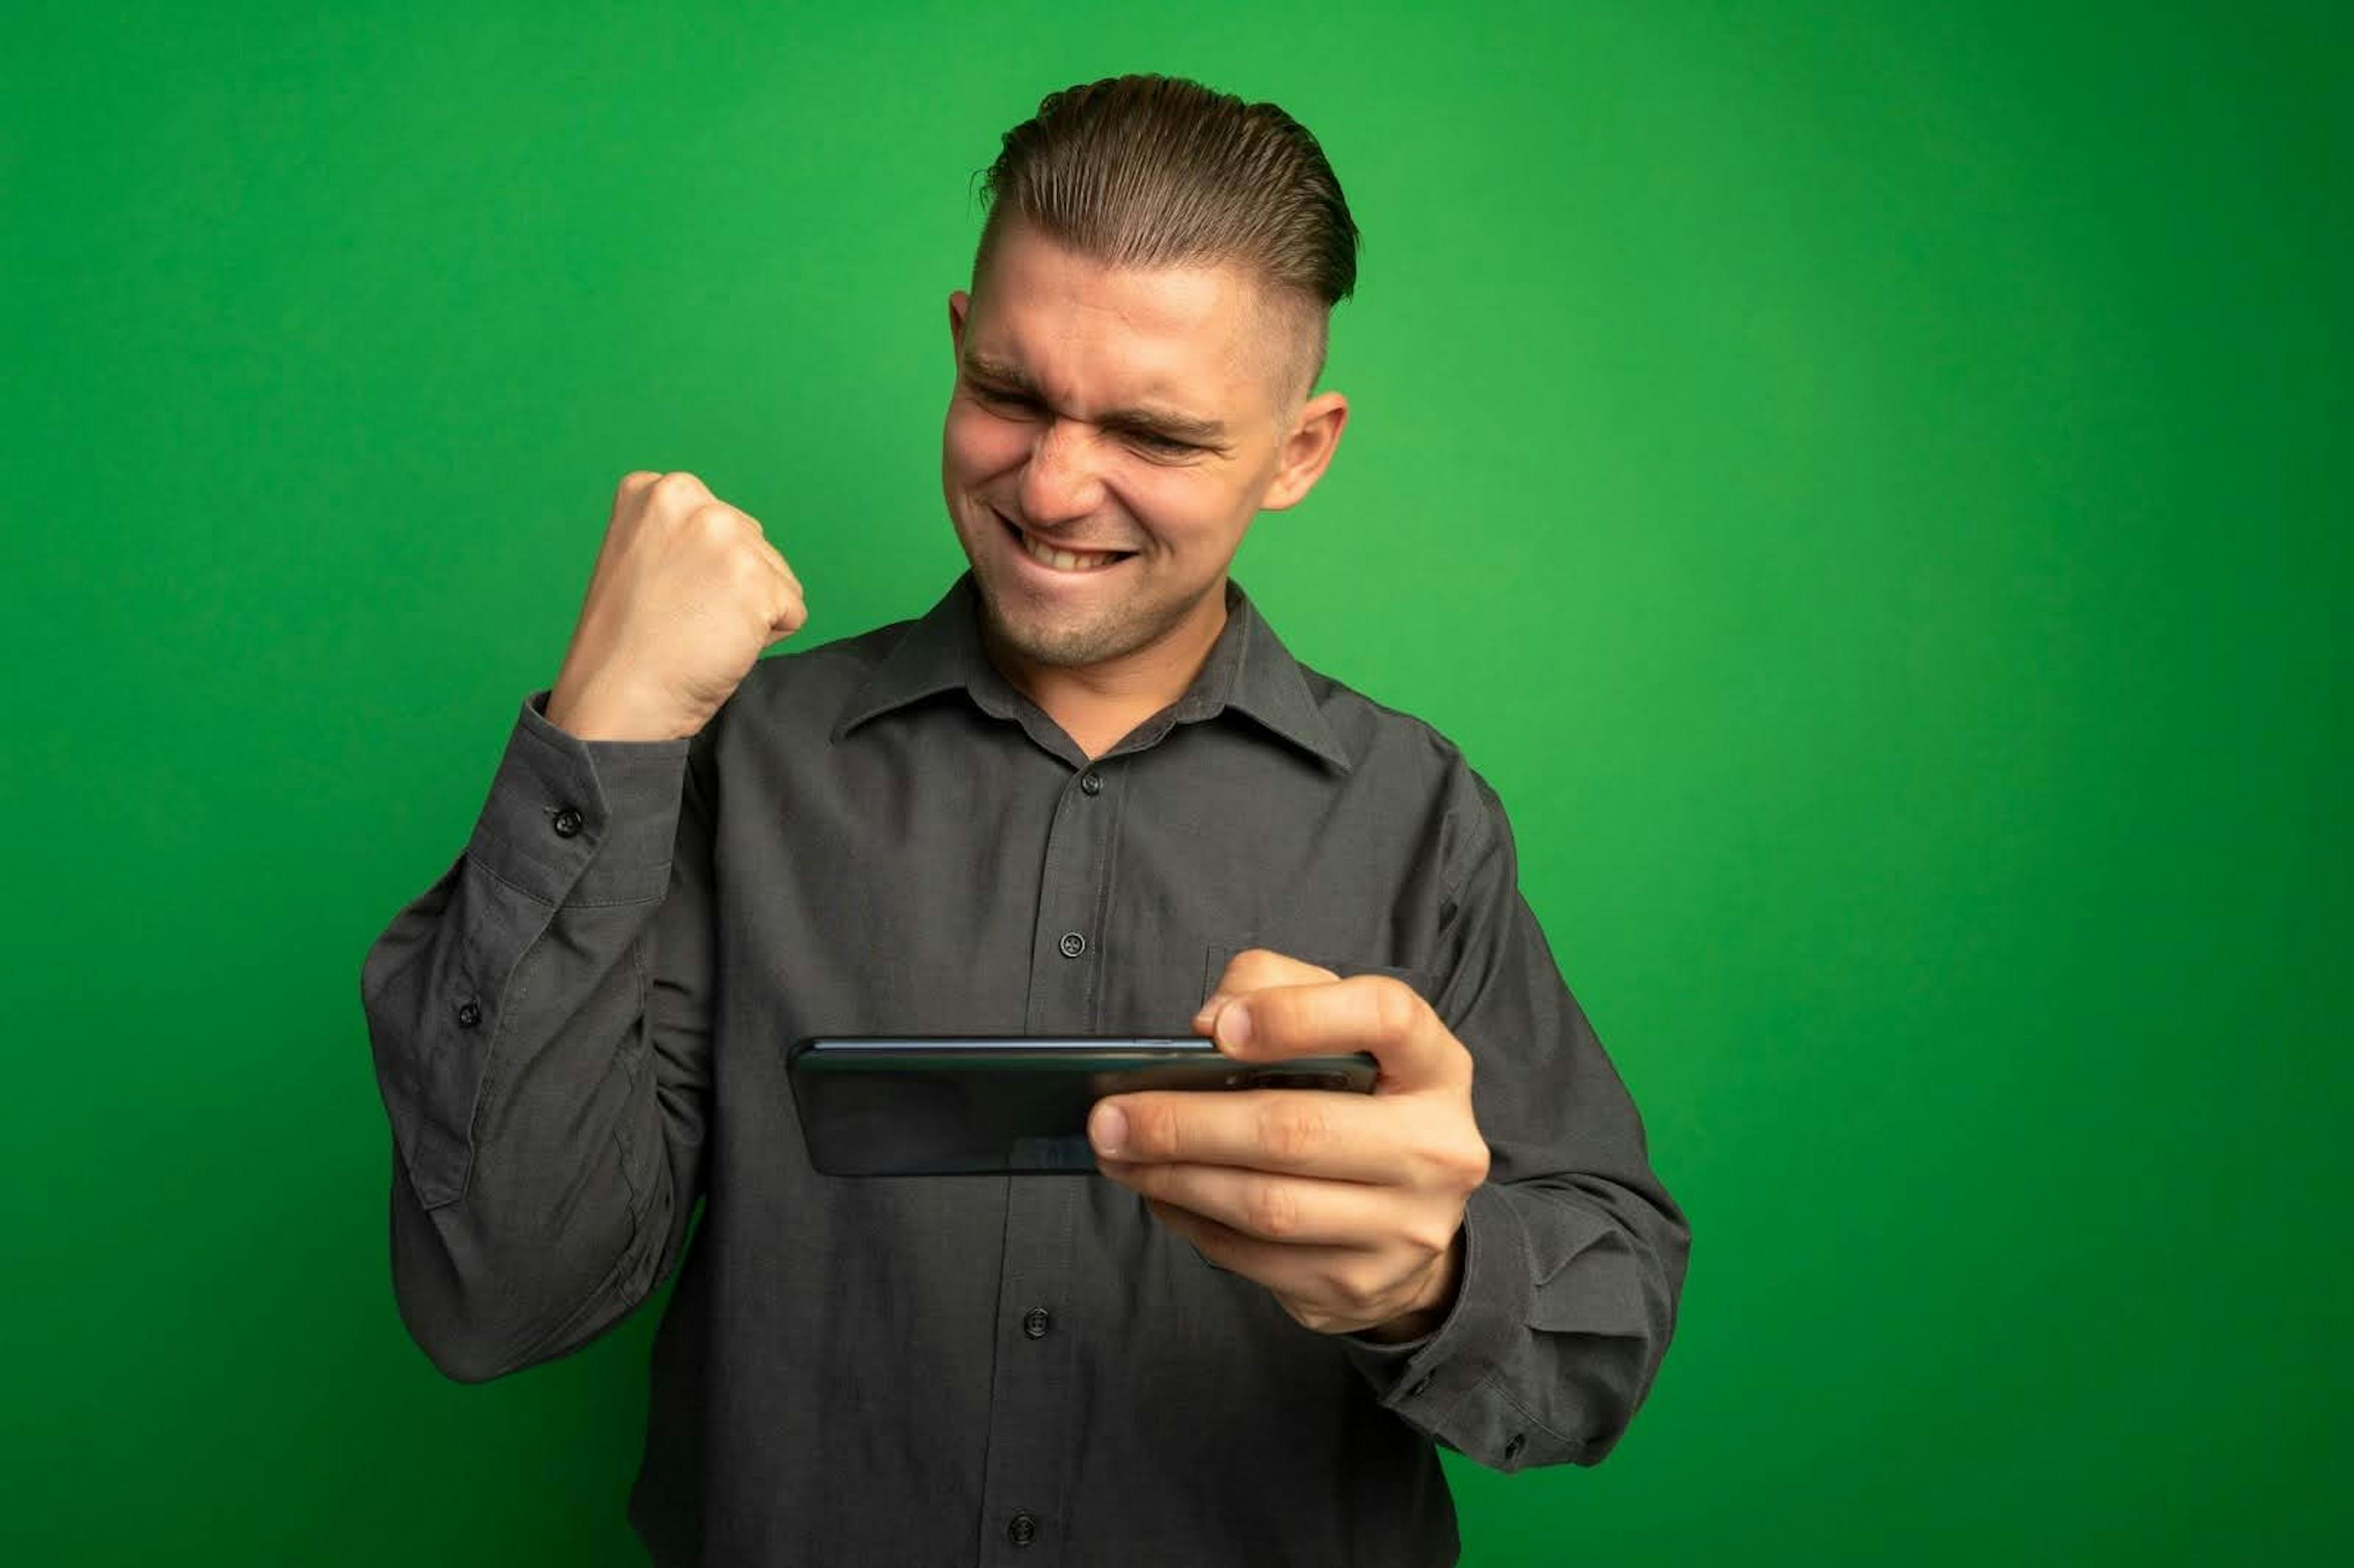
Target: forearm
[1574,1250]
[535,1198]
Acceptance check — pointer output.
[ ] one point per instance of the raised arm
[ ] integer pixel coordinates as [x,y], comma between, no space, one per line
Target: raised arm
[539,1018]
[540,1015]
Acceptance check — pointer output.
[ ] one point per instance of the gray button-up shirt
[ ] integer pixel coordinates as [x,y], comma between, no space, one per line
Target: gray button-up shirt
[579,1030]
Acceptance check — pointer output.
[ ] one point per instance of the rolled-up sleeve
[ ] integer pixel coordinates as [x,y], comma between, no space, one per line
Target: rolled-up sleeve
[1574,1253]
[539,1020]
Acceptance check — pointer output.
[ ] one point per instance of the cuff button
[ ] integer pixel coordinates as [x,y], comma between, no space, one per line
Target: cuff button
[567,822]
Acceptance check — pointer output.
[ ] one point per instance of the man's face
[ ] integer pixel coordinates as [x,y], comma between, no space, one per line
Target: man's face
[1111,434]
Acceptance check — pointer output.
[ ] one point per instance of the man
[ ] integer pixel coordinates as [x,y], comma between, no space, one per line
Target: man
[1089,792]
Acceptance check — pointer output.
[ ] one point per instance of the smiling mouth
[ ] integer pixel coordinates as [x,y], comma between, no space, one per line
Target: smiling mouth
[1061,560]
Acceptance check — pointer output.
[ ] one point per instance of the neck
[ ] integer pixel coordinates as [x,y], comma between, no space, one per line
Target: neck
[1097,705]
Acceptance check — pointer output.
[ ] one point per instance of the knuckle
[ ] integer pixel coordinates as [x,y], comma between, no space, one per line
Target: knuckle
[1155,1128]
[1271,1209]
[1321,1321]
[747,568]
[1396,1008]
[1351,1288]
[1292,1130]
[1258,968]
[678,488]
[1432,1236]
[1248,968]
[1456,1165]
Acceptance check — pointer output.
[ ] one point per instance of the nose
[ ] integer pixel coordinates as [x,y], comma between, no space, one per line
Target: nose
[1061,482]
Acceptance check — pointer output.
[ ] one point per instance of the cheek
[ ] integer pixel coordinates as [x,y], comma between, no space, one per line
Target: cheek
[978,444]
[1191,508]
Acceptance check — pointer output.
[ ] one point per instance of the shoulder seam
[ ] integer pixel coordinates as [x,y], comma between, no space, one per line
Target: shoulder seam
[1481,830]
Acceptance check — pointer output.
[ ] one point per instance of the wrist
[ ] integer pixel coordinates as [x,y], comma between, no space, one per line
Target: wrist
[1432,1302]
[588,711]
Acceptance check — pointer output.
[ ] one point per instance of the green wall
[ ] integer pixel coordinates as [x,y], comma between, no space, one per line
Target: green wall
[1869,485]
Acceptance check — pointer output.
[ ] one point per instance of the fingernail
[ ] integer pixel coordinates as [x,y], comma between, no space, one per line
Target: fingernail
[1109,1127]
[1234,1027]
[1208,1015]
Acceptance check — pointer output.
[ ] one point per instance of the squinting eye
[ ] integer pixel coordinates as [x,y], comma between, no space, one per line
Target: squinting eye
[1015,402]
[1166,444]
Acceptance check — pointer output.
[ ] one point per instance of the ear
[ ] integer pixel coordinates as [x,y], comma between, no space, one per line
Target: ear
[1307,450]
[959,307]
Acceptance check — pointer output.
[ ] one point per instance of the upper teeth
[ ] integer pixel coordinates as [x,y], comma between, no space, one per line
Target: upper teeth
[1066,560]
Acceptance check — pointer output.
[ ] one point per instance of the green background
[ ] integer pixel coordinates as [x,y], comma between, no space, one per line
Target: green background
[1869,485]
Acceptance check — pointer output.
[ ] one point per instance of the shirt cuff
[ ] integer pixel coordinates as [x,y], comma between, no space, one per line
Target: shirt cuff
[1423,1380]
[572,821]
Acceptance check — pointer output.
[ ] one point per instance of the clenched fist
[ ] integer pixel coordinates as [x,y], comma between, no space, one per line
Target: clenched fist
[686,593]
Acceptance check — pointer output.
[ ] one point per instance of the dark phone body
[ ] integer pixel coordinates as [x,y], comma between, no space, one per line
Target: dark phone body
[964,1104]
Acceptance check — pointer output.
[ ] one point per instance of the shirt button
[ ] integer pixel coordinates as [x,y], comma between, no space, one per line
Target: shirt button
[1090,783]
[567,822]
[1034,1322]
[1072,944]
[1420,1383]
[470,1012]
[1021,1530]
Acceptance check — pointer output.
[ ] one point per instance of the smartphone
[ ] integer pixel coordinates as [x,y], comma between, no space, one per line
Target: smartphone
[1003,1104]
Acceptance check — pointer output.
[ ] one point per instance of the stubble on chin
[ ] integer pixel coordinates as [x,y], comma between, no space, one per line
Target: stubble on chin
[1118,632]
[1058,647]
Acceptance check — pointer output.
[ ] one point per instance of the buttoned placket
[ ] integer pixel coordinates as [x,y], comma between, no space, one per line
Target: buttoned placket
[1031,1453]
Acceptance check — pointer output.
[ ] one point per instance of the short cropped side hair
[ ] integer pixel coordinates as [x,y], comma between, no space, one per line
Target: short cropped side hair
[1156,171]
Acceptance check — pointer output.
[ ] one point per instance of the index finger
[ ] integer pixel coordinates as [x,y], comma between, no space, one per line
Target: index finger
[1324,1133]
[1374,1013]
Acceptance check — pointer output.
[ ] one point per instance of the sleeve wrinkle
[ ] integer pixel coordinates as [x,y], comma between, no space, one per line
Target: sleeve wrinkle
[1559,1331]
[547,1124]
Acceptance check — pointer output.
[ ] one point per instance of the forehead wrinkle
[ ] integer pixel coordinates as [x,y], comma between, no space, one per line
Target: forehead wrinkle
[1219,311]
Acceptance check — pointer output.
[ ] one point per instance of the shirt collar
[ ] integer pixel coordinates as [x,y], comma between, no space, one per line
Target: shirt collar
[1248,669]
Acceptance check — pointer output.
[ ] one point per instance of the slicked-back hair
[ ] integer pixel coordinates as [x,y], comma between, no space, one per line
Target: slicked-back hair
[1157,171]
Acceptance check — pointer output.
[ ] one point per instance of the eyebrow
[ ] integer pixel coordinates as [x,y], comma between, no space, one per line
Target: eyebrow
[1166,422]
